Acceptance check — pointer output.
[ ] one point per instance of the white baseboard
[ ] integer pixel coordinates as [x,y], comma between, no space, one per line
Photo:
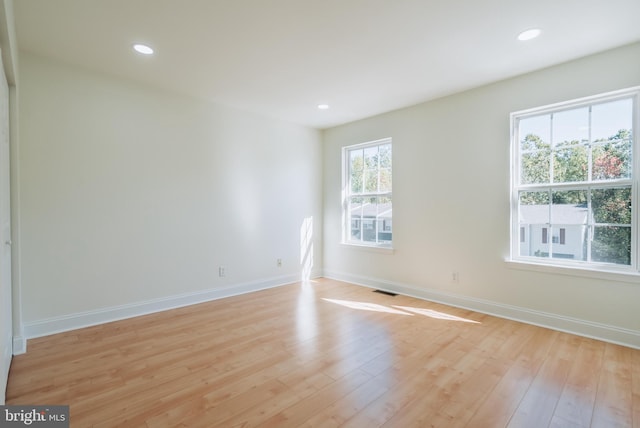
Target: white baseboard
[19,345]
[75,321]
[617,335]
[607,333]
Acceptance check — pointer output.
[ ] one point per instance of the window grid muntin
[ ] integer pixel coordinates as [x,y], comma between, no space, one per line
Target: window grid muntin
[364,194]
[554,148]
[589,185]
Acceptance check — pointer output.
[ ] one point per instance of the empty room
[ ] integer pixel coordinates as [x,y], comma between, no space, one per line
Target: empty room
[288,213]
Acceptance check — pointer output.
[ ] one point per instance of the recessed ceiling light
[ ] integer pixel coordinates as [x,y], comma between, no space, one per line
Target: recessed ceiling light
[323,106]
[529,34]
[143,49]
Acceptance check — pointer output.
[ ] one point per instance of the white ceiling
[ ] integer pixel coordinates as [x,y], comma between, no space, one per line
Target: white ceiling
[281,58]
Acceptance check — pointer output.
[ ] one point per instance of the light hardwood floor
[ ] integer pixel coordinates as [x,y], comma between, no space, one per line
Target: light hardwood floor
[327,354]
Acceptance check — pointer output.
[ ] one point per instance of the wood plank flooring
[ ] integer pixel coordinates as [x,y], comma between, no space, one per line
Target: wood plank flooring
[328,354]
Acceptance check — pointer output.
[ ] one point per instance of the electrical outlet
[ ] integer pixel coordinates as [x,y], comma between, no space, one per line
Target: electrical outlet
[279,262]
[222,271]
[455,276]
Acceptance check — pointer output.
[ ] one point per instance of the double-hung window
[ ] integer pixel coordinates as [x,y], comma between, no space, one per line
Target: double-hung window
[574,183]
[367,203]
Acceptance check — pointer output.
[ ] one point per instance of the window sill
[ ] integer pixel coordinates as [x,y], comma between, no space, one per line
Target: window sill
[369,248]
[605,274]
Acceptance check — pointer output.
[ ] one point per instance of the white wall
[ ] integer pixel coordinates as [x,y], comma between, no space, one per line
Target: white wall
[451,204]
[132,195]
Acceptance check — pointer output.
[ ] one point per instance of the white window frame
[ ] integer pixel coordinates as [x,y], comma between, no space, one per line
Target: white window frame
[573,266]
[346,195]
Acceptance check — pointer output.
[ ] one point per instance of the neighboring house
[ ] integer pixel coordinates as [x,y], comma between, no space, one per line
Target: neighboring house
[369,219]
[565,238]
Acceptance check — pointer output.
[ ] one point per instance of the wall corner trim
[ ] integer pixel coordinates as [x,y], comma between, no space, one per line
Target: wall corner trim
[580,327]
[19,345]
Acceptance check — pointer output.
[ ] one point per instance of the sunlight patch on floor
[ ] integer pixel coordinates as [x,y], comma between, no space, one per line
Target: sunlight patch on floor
[364,306]
[400,310]
[435,314]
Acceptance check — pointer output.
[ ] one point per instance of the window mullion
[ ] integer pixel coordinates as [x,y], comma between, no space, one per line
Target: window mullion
[590,149]
[635,175]
[551,150]
[550,223]
[590,225]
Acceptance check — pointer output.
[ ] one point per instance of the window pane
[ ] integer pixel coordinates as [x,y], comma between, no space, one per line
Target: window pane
[534,208]
[356,160]
[612,206]
[371,180]
[609,118]
[570,163]
[385,156]
[369,214]
[385,218]
[385,180]
[611,244]
[571,126]
[535,167]
[612,158]
[569,218]
[369,230]
[355,216]
[371,157]
[356,166]
[534,132]
[611,128]
[356,181]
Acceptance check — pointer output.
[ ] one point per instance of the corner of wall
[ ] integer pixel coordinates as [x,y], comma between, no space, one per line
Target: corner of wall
[19,345]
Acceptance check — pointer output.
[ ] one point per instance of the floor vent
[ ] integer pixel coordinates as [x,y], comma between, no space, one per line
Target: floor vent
[388,293]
